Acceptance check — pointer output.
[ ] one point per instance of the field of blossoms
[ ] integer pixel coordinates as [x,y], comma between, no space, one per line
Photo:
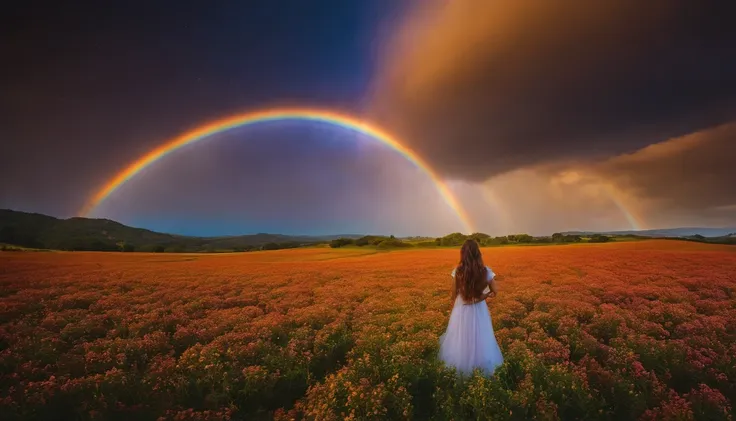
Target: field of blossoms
[621,331]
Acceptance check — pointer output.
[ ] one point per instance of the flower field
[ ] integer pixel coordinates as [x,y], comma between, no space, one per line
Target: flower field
[632,331]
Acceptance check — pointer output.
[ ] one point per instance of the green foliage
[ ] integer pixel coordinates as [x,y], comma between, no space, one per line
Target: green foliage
[83,234]
[454,239]
[341,242]
[370,240]
[36,231]
[520,238]
[503,240]
[480,237]
[565,238]
[726,239]
[599,238]
[392,243]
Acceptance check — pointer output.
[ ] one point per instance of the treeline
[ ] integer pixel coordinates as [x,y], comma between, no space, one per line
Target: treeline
[12,240]
[36,231]
[214,248]
[22,230]
[378,241]
[81,244]
[726,239]
[457,239]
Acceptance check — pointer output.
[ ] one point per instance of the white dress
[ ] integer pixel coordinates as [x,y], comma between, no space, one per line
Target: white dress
[469,341]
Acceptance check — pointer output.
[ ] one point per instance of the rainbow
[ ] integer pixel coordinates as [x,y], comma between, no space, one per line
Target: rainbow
[618,198]
[341,120]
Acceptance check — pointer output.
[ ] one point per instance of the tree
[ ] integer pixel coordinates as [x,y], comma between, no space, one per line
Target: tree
[480,237]
[454,239]
[565,238]
[599,238]
[520,238]
[543,240]
[573,238]
[373,240]
[341,242]
[392,243]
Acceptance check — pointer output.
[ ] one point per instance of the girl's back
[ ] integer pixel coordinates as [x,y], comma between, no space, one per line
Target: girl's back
[469,341]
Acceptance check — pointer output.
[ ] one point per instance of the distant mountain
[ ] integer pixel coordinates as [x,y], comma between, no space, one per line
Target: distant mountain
[33,230]
[43,231]
[666,232]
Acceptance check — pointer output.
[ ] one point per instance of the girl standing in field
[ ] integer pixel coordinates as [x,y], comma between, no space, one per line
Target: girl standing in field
[469,341]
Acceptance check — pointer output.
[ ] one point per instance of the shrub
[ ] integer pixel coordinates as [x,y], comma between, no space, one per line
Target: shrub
[341,242]
[392,243]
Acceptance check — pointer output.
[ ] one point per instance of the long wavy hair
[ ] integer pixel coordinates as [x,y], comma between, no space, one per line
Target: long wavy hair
[470,274]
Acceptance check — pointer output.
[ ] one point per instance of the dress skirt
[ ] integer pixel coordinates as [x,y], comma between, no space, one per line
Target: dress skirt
[469,341]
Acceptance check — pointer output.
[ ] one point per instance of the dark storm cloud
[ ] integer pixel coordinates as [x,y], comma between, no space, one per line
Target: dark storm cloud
[483,87]
[691,174]
[684,181]
[88,87]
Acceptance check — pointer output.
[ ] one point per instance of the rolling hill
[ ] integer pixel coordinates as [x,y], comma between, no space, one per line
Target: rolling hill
[43,231]
[666,232]
[38,231]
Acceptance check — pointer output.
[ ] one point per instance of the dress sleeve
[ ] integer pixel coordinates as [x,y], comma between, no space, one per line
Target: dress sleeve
[491,275]
[453,272]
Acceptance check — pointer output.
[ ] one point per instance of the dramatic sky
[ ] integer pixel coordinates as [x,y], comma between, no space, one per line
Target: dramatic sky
[541,116]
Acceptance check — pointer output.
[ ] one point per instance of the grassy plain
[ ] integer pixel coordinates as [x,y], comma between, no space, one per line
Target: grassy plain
[631,330]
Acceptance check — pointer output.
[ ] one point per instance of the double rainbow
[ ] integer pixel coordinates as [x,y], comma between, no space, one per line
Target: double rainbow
[303,114]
